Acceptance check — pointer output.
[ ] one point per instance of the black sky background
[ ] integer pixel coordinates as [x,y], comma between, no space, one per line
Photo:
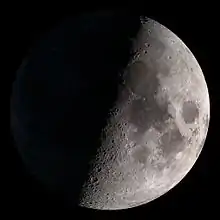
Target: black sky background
[195,194]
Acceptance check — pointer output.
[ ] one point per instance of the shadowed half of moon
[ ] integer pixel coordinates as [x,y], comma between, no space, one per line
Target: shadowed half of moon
[62,94]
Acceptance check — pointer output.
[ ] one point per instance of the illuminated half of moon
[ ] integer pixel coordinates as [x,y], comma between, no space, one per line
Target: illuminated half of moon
[158,127]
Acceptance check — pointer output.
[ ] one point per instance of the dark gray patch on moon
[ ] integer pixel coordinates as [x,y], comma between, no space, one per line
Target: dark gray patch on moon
[157,48]
[140,155]
[141,79]
[162,67]
[171,141]
[144,114]
[123,94]
[189,112]
[137,114]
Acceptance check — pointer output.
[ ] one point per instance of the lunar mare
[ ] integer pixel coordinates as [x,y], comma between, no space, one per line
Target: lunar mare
[158,127]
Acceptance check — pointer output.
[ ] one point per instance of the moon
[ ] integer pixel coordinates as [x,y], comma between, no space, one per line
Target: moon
[157,128]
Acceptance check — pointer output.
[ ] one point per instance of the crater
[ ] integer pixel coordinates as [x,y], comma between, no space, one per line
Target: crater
[189,112]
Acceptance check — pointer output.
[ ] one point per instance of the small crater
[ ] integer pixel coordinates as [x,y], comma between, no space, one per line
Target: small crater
[99,169]
[94,180]
[189,112]
[179,155]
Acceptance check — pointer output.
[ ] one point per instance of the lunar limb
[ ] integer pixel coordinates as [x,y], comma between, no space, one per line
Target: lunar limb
[158,126]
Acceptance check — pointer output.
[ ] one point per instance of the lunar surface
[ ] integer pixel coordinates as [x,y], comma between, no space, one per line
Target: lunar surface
[157,128]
